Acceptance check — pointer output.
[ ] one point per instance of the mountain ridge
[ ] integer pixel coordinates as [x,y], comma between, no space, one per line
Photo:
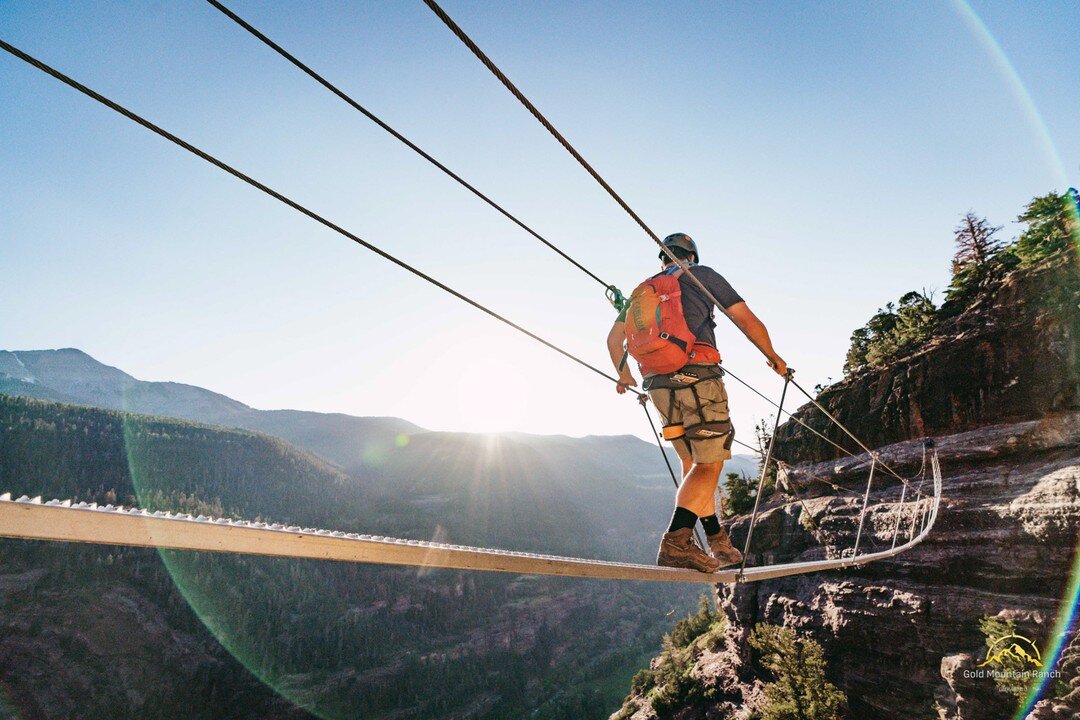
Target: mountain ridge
[73,376]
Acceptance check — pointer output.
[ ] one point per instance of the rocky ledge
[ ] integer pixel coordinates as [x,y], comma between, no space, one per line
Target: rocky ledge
[900,633]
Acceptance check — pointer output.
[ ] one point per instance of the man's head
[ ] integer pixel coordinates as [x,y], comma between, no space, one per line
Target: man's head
[681,246]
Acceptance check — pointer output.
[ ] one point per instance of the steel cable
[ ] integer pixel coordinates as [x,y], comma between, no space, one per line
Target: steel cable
[404,140]
[490,65]
[287,201]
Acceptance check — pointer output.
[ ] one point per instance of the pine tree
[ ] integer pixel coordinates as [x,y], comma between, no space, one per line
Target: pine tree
[1052,226]
[975,243]
[740,494]
[800,690]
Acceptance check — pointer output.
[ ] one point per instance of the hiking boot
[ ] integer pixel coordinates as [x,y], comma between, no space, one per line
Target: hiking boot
[678,550]
[723,550]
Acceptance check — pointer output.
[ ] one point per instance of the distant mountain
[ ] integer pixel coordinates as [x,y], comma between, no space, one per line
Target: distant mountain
[360,445]
[70,375]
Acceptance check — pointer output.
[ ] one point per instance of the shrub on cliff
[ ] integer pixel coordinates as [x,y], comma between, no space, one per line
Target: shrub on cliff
[894,331]
[691,627]
[1052,226]
[740,492]
[670,685]
[799,690]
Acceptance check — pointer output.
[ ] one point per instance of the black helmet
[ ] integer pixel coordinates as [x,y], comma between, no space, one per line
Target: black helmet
[679,240]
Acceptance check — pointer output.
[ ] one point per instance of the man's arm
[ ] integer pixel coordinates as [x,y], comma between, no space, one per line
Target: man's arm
[755,331]
[615,339]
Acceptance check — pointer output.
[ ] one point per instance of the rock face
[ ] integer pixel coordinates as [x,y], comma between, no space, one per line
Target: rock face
[999,389]
[902,635]
[1014,355]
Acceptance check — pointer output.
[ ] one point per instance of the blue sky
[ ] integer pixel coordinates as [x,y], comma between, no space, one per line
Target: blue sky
[820,154]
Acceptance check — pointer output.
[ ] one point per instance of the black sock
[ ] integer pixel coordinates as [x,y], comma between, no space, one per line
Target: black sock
[711,524]
[682,518]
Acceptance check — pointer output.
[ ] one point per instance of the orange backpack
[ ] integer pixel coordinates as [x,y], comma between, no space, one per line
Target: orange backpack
[657,335]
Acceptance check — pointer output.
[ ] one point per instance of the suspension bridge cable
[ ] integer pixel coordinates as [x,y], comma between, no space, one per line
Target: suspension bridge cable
[761,479]
[449,22]
[490,65]
[791,415]
[287,201]
[850,434]
[404,140]
[262,37]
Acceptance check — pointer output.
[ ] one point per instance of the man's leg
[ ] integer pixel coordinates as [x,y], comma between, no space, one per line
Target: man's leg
[709,428]
[705,476]
[678,548]
[698,490]
[697,495]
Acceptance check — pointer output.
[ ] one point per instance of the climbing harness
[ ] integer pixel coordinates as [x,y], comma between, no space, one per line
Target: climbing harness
[676,429]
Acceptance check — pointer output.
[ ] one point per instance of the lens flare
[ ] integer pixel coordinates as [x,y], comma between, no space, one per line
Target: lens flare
[1065,624]
[244,602]
[1016,86]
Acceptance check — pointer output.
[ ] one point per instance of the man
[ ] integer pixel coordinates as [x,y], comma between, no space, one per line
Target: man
[693,404]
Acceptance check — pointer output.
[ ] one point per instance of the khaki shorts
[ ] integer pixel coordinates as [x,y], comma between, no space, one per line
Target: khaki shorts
[702,410]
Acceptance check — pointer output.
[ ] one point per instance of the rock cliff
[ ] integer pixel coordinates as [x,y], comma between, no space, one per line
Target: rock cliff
[1013,355]
[999,388]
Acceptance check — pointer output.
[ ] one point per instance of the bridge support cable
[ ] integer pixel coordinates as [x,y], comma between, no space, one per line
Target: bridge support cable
[291,203]
[865,502]
[501,76]
[487,62]
[399,136]
[761,479]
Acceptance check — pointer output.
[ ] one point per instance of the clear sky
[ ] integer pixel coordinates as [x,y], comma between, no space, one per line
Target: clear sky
[821,154]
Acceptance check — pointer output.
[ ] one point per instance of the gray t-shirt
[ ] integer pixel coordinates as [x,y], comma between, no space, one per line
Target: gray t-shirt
[696,307]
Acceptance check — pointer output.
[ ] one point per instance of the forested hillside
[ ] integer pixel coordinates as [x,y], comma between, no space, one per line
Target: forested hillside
[104,632]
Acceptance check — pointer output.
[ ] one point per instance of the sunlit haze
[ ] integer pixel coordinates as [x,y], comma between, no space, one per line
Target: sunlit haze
[820,156]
